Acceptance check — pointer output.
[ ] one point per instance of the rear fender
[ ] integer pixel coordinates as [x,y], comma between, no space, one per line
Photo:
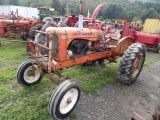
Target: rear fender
[122,45]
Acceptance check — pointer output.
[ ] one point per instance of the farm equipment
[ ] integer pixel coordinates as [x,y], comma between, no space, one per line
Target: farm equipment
[45,15]
[16,27]
[63,47]
[3,16]
[133,24]
[149,36]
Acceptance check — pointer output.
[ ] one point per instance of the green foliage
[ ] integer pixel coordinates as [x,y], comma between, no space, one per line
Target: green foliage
[14,2]
[126,9]
[2,2]
[114,11]
[101,18]
[58,7]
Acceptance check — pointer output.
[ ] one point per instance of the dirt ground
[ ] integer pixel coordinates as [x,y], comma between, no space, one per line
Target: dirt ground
[119,102]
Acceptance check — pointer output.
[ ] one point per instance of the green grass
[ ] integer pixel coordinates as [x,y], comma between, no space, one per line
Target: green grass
[18,103]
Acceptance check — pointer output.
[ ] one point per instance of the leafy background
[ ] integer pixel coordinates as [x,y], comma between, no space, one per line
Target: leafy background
[116,9]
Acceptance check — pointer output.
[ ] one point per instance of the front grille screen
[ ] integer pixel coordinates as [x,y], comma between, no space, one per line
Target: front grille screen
[55,46]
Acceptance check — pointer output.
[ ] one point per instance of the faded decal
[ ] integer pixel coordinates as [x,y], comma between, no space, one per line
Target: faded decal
[63,36]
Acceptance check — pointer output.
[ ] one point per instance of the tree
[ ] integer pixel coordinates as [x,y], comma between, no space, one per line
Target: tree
[151,13]
[114,12]
[14,2]
[101,18]
[157,1]
[1,2]
[137,18]
[130,14]
[57,6]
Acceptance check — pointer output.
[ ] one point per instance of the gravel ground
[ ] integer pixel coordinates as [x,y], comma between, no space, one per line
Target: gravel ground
[119,102]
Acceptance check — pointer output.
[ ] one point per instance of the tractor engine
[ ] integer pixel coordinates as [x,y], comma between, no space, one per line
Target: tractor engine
[78,48]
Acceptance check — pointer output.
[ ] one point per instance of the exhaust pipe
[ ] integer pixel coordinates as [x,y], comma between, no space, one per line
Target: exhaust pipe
[80,23]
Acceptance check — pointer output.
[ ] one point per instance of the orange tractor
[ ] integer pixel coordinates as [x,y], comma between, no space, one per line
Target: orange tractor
[16,26]
[62,47]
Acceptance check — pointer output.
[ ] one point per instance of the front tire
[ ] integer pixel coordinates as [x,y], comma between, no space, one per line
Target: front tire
[64,99]
[28,74]
[132,63]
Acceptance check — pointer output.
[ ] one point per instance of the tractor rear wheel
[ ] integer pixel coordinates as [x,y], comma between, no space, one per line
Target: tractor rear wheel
[32,31]
[64,99]
[132,63]
[158,48]
[28,74]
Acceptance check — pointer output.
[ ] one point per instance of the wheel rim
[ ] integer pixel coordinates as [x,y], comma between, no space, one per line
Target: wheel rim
[137,65]
[32,74]
[68,101]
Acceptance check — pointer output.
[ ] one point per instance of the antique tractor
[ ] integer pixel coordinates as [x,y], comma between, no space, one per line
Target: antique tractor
[17,27]
[62,47]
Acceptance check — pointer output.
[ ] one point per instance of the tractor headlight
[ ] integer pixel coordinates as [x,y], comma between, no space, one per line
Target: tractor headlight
[70,53]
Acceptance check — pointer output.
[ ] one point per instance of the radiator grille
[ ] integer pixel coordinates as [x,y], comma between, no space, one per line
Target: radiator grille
[55,46]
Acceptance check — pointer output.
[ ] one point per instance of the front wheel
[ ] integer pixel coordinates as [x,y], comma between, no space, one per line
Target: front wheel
[64,99]
[28,74]
[132,63]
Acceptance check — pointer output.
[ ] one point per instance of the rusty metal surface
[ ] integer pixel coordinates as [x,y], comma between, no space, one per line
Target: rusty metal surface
[17,28]
[55,79]
[122,45]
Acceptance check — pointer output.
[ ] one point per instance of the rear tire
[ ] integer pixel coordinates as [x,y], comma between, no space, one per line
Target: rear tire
[32,31]
[158,48]
[132,63]
[64,99]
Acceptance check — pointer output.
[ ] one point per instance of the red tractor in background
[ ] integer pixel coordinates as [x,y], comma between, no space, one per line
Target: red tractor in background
[149,35]
[55,48]
[16,26]
[3,16]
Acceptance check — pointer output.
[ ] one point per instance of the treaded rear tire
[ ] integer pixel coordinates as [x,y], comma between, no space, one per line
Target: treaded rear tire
[32,31]
[135,52]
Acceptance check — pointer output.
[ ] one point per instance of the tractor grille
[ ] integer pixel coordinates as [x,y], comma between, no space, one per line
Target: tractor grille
[55,46]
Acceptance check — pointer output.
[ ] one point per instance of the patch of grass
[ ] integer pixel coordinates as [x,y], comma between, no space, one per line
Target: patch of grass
[151,57]
[18,103]
[93,77]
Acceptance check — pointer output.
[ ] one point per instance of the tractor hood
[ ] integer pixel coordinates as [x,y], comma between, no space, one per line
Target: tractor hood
[70,33]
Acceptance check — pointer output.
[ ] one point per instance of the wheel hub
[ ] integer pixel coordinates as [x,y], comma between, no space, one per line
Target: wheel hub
[69,100]
[31,73]
[135,65]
